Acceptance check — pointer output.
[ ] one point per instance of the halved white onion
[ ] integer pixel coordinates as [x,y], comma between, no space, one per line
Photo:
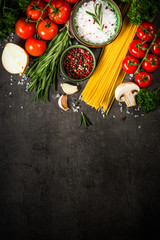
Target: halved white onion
[69,88]
[14,58]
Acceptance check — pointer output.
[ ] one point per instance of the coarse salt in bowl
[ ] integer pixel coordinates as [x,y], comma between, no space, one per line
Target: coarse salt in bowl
[86,28]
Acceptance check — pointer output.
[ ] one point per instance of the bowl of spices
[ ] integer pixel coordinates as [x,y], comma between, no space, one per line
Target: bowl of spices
[77,63]
[95,23]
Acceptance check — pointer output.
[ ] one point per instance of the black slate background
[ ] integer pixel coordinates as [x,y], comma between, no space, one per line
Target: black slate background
[61,182]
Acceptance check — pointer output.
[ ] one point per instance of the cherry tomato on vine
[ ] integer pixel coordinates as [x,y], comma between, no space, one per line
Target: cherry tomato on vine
[138,48]
[72,1]
[146,31]
[130,64]
[47,30]
[35,47]
[33,13]
[156,47]
[143,79]
[152,63]
[61,12]
[25,29]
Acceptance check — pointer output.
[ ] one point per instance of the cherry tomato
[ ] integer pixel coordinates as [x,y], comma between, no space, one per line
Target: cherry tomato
[25,30]
[138,48]
[130,64]
[61,12]
[156,47]
[152,63]
[146,31]
[35,47]
[34,14]
[72,1]
[46,1]
[47,30]
[143,79]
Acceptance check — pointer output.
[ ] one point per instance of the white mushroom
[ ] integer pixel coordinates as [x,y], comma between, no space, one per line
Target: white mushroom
[126,92]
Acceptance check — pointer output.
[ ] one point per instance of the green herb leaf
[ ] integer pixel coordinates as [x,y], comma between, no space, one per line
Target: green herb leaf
[141,10]
[98,16]
[45,69]
[148,100]
[84,120]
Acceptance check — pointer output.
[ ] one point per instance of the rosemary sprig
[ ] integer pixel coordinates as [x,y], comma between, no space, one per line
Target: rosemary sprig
[84,120]
[97,16]
[45,70]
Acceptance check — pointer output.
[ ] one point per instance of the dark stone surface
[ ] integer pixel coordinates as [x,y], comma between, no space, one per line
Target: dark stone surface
[61,182]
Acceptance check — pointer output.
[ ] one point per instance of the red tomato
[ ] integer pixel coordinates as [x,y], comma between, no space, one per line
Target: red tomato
[146,31]
[130,64]
[47,30]
[156,47]
[35,47]
[34,14]
[152,63]
[61,12]
[72,1]
[25,30]
[46,1]
[143,79]
[138,48]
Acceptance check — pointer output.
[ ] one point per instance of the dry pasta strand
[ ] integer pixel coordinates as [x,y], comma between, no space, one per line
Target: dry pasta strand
[100,89]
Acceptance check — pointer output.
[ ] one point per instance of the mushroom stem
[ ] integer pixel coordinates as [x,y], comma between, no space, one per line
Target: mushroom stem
[129,99]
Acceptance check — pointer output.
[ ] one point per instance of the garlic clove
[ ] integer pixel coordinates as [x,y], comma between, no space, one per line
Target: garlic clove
[69,88]
[62,102]
[14,58]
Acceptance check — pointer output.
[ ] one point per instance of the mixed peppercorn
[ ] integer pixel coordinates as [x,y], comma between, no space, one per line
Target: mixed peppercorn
[78,63]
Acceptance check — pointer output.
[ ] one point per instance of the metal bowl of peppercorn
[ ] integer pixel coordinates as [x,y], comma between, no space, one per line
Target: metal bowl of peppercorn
[95,23]
[77,63]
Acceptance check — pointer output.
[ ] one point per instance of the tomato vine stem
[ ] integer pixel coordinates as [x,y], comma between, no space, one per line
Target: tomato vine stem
[145,57]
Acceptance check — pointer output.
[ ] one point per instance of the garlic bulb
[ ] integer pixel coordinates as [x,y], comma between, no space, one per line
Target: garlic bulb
[14,58]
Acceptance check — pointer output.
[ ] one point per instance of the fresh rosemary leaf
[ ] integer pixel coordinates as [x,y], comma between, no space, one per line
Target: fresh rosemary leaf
[84,120]
[81,120]
[99,11]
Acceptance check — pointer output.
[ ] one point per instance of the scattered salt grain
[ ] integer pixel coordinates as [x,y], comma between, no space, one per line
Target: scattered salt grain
[10,93]
[142,115]
[22,107]
[128,112]
[74,109]
[57,96]
[131,75]
[136,116]
[10,106]
[139,127]
[114,116]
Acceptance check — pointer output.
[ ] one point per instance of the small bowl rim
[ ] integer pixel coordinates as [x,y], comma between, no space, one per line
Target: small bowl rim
[86,43]
[62,59]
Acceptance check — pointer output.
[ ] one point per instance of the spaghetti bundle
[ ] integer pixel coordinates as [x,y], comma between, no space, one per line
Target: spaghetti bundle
[99,91]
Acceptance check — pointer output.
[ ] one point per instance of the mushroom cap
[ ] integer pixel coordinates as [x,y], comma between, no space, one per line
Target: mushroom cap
[125,88]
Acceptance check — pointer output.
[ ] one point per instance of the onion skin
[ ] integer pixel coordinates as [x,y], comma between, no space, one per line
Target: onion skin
[14,58]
